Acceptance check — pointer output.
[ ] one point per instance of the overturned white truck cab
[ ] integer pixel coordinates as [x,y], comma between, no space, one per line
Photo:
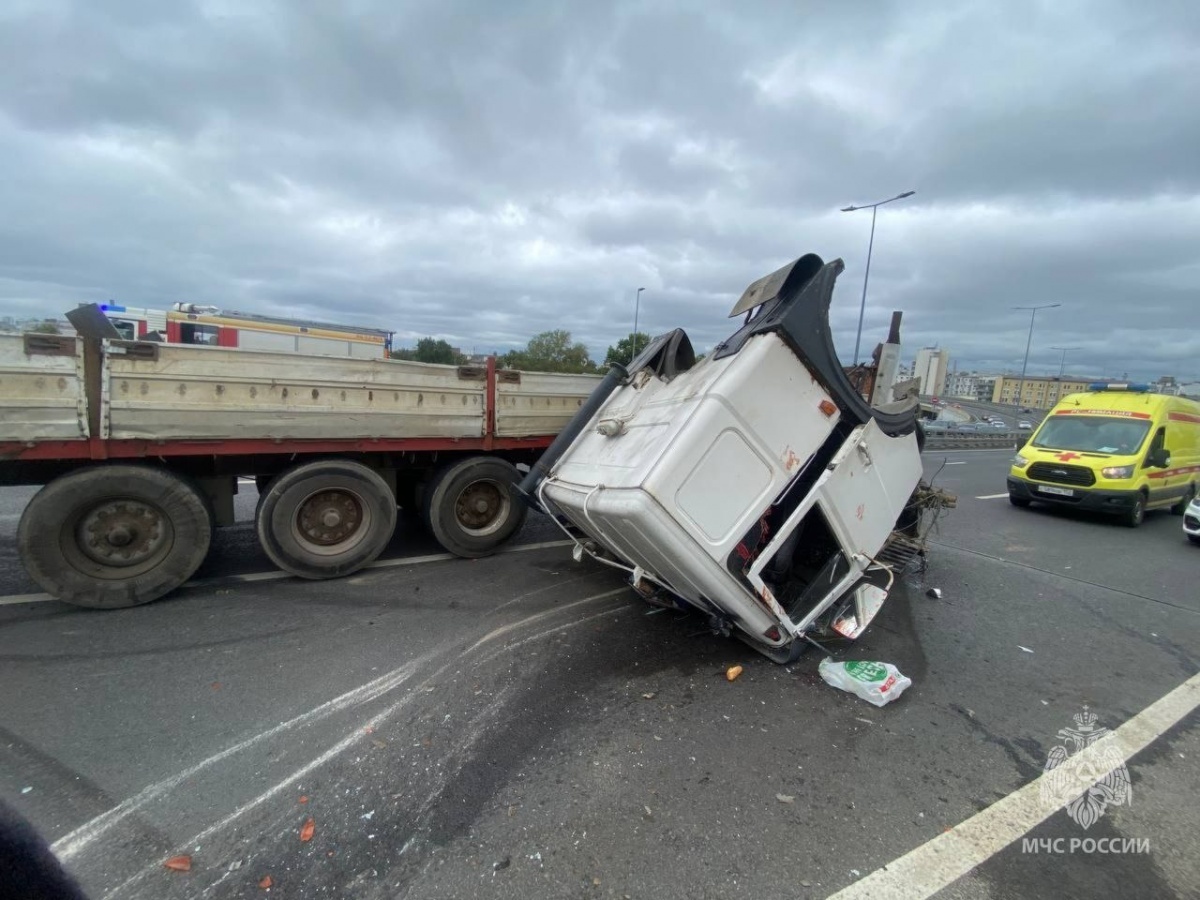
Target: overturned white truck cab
[754,486]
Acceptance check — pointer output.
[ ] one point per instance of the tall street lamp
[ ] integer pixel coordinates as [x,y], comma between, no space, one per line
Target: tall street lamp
[1063,362]
[1033,311]
[873,207]
[637,302]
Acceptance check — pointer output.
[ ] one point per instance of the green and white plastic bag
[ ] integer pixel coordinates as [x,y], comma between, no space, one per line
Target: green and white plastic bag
[877,683]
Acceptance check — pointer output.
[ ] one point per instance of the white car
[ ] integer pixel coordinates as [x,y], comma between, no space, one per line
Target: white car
[1024,426]
[1191,521]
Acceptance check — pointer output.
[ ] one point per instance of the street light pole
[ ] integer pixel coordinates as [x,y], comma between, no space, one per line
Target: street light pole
[1062,365]
[637,303]
[862,308]
[1028,342]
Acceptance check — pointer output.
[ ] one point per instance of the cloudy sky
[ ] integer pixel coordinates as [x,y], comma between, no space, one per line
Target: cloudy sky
[481,171]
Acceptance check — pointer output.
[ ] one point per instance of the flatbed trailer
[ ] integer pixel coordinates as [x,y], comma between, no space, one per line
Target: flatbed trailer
[140,445]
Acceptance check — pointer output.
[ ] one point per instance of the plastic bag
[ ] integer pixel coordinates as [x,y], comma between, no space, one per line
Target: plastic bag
[877,683]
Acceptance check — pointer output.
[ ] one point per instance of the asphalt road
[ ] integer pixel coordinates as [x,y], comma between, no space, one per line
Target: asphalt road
[519,727]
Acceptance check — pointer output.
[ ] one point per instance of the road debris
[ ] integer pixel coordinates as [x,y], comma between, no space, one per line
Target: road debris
[502,864]
[649,695]
[732,673]
[179,863]
[1026,649]
[934,593]
[26,790]
[265,882]
[306,830]
[785,798]
[877,683]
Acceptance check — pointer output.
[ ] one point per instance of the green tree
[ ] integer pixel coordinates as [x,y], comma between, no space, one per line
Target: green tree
[46,326]
[550,351]
[622,351]
[431,350]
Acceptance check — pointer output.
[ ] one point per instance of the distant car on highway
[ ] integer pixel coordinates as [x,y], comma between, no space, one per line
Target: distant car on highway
[1191,521]
[999,423]
[1024,425]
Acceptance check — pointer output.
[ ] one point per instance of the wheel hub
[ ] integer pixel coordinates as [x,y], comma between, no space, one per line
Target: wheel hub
[480,504]
[330,517]
[122,533]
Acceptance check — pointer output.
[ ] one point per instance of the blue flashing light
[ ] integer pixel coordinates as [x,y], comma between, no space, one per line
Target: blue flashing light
[111,307]
[1129,387]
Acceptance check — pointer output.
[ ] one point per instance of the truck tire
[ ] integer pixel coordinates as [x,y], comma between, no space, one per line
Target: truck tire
[110,537]
[326,518]
[471,507]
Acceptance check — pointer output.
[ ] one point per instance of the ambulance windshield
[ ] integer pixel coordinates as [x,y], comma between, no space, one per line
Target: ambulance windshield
[1093,434]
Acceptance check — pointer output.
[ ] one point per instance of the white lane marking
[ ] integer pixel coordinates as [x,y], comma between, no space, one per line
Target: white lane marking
[80,838]
[253,577]
[71,844]
[957,462]
[992,496]
[24,598]
[341,746]
[934,865]
[352,738]
[497,632]
[508,648]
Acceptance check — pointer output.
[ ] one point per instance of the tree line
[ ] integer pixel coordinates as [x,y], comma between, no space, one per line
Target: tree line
[549,351]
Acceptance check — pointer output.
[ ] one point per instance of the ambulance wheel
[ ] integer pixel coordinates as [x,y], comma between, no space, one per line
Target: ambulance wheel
[1136,514]
[472,507]
[326,518]
[1181,507]
[110,537]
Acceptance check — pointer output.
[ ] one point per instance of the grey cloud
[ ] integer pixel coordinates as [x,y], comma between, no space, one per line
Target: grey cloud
[484,171]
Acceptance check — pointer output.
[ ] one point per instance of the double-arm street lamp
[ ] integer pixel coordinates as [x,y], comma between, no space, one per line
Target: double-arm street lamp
[1063,362]
[873,207]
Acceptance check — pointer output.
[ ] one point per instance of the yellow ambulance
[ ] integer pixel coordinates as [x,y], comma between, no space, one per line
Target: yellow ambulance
[1116,449]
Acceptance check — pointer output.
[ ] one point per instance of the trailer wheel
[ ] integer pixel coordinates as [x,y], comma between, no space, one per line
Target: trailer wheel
[326,518]
[471,506]
[110,537]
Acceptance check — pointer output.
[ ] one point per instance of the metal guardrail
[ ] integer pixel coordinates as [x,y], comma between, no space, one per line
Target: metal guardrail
[980,440]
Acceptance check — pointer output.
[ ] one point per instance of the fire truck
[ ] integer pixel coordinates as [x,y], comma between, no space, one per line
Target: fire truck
[189,323]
